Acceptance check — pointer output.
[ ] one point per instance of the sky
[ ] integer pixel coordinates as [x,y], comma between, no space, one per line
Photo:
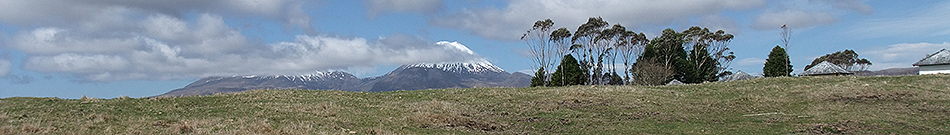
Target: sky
[108,49]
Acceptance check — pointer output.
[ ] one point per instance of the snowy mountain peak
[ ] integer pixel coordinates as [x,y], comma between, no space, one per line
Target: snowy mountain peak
[303,77]
[471,67]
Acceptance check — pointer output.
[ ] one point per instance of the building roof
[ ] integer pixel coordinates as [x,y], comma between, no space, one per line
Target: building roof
[825,68]
[675,82]
[939,58]
[738,76]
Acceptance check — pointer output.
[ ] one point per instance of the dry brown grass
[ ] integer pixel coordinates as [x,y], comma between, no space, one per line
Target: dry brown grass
[806,105]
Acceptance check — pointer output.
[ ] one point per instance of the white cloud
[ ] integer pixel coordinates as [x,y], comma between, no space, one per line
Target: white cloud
[926,22]
[214,35]
[456,46]
[719,22]
[517,16]
[93,13]
[5,74]
[77,63]
[378,7]
[901,55]
[4,66]
[134,41]
[807,13]
[157,59]
[528,71]
[854,5]
[49,40]
[751,62]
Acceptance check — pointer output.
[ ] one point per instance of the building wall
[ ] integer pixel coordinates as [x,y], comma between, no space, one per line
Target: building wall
[935,69]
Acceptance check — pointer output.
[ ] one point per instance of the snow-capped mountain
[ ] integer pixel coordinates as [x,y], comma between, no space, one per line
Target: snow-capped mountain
[316,76]
[459,67]
[336,80]
[449,75]
[406,77]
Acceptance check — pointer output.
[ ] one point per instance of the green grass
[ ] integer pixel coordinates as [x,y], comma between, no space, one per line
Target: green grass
[805,105]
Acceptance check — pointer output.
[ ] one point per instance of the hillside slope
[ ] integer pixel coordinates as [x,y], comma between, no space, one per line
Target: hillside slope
[407,77]
[806,105]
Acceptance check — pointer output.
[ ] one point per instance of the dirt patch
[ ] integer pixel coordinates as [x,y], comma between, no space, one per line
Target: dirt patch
[582,103]
[779,119]
[641,115]
[97,118]
[163,124]
[869,98]
[841,127]
[185,127]
[440,114]
[6,130]
[930,108]
[179,127]
[30,128]
[559,121]
[434,120]
[85,99]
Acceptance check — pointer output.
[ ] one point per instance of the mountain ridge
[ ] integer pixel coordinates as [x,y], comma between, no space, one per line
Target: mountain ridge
[406,77]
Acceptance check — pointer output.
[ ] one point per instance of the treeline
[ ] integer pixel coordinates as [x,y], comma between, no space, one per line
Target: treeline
[590,55]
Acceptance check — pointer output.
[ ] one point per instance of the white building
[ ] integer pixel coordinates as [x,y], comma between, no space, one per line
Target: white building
[937,63]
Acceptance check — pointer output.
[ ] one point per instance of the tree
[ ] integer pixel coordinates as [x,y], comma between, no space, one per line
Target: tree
[613,37]
[862,64]
[701,67]
[665,51]
[539,78]
[568,73]
[648,71]
[786,35]
[631,47]
[846,59]
[625,44]
[709,53]
[614,78]
[560,38]
[706,59]
[777,64]
[588,38]
[538,41]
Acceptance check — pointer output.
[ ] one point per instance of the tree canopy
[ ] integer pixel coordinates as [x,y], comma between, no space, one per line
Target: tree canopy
[706,59]
[847,59]
[694,55]
[569,72]
[539,78]
[542,49]
[777,64]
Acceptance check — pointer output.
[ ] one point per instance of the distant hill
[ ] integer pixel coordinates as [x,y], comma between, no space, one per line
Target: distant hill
[406,77]
[449,75]
[336,80]
[889,72]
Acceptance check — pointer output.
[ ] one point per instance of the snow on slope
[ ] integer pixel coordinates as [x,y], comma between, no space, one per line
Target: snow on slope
[460,67]
[478,65]
[318,75]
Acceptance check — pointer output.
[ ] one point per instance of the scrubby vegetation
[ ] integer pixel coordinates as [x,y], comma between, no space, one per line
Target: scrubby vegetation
[783,105]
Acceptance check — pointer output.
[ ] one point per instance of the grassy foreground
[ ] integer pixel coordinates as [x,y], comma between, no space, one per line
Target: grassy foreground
[806,105]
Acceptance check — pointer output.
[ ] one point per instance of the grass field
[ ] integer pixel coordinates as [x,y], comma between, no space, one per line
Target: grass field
[802,105]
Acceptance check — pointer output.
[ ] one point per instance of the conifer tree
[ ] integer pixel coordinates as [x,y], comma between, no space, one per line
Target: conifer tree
[777,64]
[539,78]
[568,73]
